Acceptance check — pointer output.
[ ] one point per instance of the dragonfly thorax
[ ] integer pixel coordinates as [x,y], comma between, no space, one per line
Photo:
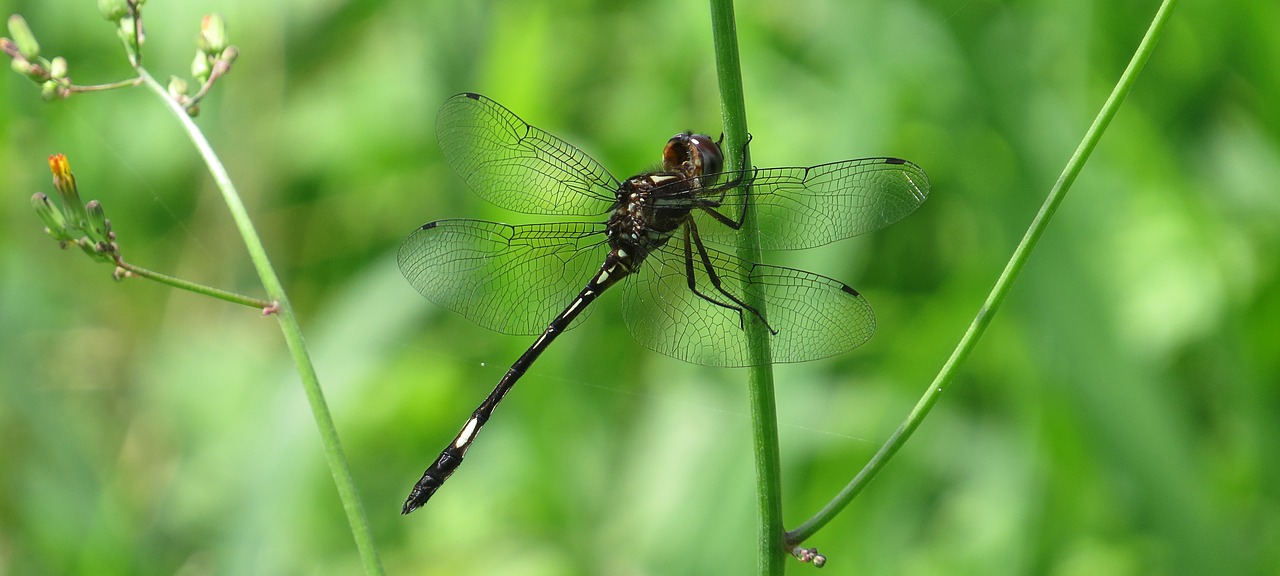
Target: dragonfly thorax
[650,208]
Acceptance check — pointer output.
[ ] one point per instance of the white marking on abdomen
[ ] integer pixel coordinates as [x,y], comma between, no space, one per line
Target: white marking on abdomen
[464,437]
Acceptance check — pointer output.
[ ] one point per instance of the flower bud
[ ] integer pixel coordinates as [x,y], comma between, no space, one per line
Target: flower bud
[58,68]
[229,55]
[113,10]
[21,66]
[99,227]
[127,31]
[65,183]
[23,37]
[200,67]
[177,88]
[213,34]
[51,91]
[54,222]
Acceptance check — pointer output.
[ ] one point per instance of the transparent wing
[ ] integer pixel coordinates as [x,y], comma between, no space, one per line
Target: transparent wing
[807,207]
[517,166]
[813,316]
[512,279]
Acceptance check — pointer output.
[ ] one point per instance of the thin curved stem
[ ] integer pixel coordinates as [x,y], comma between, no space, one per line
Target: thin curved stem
[101,87]
[181,284]
[1002,286]
[334,455]
[764,418]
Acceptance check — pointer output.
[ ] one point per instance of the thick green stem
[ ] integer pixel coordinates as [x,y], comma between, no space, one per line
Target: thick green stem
[1001,288]
[764,419]
[334,455]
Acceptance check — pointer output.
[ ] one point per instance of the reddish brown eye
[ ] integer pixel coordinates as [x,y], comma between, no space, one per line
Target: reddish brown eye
[692,155]
[676,154]
[712,159]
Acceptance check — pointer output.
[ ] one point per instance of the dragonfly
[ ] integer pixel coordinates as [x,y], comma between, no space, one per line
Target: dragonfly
[664,235]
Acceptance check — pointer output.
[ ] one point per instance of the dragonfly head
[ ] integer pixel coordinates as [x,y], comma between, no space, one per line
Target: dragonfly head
[691,155]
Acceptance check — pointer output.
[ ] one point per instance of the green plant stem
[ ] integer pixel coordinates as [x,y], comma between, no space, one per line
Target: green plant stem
[1001,288]
[334,455]
[181,284]
[764,418]
[101,87]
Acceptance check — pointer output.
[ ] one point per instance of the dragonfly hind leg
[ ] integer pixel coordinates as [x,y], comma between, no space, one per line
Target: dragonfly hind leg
[691,239]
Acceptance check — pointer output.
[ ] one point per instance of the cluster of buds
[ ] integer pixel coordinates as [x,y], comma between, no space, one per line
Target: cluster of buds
[24,52]
[214,57]
[128,20]
[75,222]
[809,556]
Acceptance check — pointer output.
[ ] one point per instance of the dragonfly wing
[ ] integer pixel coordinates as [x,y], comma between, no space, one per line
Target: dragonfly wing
[517,166]
[807,207]
[512,279]
[812,316]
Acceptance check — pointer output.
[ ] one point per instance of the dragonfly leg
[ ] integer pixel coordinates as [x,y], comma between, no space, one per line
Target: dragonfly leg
[741,179]
[691,239]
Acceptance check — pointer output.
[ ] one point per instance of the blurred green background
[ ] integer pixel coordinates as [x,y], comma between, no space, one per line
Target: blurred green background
[1121,416]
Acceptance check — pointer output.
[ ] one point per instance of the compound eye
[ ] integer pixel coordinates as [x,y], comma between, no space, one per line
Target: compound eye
[678,156]
[710,158]
[692,155]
